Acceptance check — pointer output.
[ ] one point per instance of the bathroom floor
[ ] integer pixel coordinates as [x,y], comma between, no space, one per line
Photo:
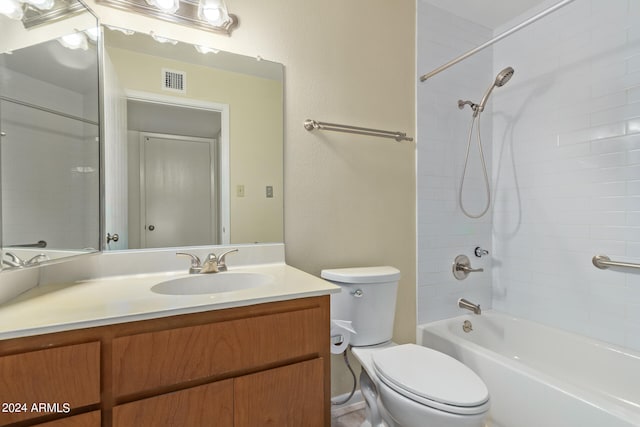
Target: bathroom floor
[351,419]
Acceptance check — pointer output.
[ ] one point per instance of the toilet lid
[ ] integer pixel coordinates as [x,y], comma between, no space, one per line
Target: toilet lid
[432,378]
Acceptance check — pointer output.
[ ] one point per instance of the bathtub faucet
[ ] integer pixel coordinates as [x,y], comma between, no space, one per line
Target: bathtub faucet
[468,305]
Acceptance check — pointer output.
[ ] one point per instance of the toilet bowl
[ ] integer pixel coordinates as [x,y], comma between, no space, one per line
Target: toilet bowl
[418,386]
[403,385]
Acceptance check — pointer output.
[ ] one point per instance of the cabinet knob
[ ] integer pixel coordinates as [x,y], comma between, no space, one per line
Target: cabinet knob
[151,227]
[112,238]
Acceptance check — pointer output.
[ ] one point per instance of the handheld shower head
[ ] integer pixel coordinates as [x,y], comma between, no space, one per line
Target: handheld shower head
[504,76]
[501,79]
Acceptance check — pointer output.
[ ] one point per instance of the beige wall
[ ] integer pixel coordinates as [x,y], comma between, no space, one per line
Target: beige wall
[349,200]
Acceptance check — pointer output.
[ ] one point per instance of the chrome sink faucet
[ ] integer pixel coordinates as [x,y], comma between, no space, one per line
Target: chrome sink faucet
[468,305]
[15,261]
[212,264]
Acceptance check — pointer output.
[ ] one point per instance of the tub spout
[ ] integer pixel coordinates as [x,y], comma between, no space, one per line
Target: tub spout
[468,305]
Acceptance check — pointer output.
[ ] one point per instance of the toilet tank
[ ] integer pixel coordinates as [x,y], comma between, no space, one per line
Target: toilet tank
[367,299]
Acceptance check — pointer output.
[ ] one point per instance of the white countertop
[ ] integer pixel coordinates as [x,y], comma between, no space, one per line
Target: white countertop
[119,299]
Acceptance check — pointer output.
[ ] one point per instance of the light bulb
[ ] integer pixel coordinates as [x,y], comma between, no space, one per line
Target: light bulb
[213,11]
[161,39]
[74,41]
[205,49]
[11,8]
[212,15]
[124,31]
[92,33]
[168,6]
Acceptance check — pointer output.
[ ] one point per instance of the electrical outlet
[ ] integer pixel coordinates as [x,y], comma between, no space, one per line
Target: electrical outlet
[269,191]
[240,190]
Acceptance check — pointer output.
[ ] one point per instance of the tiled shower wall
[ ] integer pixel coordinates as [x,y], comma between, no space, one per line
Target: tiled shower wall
[443,231]
[50,171]
[566,146]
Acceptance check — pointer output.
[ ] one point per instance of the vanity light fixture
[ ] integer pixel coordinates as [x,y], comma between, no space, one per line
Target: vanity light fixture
[210,15]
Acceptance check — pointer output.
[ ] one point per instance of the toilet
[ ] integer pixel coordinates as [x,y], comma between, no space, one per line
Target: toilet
[403,385]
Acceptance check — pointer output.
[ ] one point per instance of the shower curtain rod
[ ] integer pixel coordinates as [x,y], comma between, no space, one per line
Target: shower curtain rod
[495,39]
[314,124]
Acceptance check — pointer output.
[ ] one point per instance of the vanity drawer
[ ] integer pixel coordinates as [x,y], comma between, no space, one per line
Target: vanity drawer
[54,380]
[90,419]
[159,359]
[210,404]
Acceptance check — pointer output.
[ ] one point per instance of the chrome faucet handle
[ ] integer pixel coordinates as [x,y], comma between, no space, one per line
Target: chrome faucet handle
[34,260]
[462,267]
[15,261]
[195,267]
[222,264]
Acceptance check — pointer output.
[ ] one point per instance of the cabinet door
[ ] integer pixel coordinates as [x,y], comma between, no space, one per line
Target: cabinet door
[291,396]
[91,419]
[56,377]
[206,405]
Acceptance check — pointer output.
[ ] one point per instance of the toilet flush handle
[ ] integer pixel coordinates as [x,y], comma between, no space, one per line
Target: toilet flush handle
[357,293]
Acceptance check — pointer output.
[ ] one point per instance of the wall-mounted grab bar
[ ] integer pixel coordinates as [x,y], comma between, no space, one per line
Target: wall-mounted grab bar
[603,262]
[39,244]
[313,125]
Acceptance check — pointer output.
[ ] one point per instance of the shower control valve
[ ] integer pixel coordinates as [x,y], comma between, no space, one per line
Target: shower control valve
[462,267]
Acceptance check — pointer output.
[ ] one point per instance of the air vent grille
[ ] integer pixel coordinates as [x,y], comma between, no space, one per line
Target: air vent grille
[175,81]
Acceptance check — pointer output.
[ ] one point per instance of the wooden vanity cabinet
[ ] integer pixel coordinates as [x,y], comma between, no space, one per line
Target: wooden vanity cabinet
[52,380]
[260,365]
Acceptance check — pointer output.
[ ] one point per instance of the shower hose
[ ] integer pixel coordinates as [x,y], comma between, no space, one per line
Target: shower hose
[475,120]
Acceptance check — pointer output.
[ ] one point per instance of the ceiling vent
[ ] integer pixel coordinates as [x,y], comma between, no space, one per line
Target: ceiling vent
[174,81]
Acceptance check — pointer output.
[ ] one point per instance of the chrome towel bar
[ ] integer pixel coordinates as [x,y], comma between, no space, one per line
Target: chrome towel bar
[313,125]
[603,262]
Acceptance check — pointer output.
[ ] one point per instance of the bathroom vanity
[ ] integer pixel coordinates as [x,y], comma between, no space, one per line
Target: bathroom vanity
[251,357]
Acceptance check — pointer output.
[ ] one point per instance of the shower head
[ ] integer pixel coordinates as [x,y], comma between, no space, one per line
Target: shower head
[501,79]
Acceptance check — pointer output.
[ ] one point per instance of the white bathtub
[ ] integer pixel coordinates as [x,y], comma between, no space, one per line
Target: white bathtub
[540,376]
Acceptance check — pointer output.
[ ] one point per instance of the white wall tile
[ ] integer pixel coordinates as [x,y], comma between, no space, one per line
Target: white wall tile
[565,162]
[443,232]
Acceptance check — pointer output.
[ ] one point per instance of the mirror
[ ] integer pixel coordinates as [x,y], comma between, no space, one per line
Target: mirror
[193,145]
[49,144]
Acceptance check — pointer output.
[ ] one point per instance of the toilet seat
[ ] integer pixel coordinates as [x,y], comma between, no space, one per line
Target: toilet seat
[431,378]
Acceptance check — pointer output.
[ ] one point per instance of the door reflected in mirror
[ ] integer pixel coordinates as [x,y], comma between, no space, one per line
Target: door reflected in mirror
[193,145]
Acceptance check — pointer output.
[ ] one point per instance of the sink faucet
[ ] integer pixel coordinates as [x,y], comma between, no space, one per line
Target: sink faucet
[212,264]
[468,305]
[15,261]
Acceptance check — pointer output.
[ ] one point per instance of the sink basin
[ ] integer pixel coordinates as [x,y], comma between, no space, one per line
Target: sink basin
[214,283]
